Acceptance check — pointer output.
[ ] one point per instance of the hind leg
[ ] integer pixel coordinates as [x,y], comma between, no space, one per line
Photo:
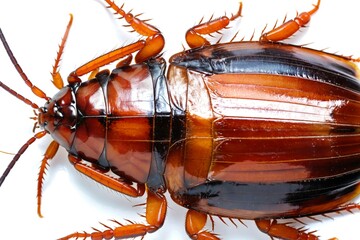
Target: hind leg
[289,28]
[283,230]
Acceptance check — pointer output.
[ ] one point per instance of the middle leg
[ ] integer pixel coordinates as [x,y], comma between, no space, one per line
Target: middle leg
[195,222]
[156,207]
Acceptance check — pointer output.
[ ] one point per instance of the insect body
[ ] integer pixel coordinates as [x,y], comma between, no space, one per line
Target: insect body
[248,130]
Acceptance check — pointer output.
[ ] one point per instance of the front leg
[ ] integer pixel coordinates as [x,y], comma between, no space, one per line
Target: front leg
[107,179]
[156,206]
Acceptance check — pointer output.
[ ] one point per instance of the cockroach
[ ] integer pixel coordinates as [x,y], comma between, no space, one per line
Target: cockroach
[228,131]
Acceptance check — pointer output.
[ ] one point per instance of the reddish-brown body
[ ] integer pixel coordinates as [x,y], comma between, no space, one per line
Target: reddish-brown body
[253,128]
[248,130]
[106,108]
[111,120]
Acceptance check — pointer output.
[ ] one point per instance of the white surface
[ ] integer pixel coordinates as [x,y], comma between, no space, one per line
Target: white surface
[70,201]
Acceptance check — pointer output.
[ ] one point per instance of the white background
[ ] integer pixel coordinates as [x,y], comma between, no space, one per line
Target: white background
[70,201]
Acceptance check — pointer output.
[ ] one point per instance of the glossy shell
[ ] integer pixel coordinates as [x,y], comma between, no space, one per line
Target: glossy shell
[270,130]
[115,117]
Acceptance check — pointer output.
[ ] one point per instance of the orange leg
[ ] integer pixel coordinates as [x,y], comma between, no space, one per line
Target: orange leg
[195,222]
[193,35]
[105,59]
[106,179]
[49,154]
[289,28]
[155,215]
[57,79]
[348,208]
[283,231]
[125,61]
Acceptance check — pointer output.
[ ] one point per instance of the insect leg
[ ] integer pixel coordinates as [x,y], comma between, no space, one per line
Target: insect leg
[348,207]
[49,154]
[154,42]
[19,153]
[93,65]
[193,35]
[56,77]
[125,61]
[195,222]
[283,231]
[106,179]
[155,215]
[289,28]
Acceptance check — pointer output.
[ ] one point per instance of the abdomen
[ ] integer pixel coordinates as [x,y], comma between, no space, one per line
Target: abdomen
[271,130]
